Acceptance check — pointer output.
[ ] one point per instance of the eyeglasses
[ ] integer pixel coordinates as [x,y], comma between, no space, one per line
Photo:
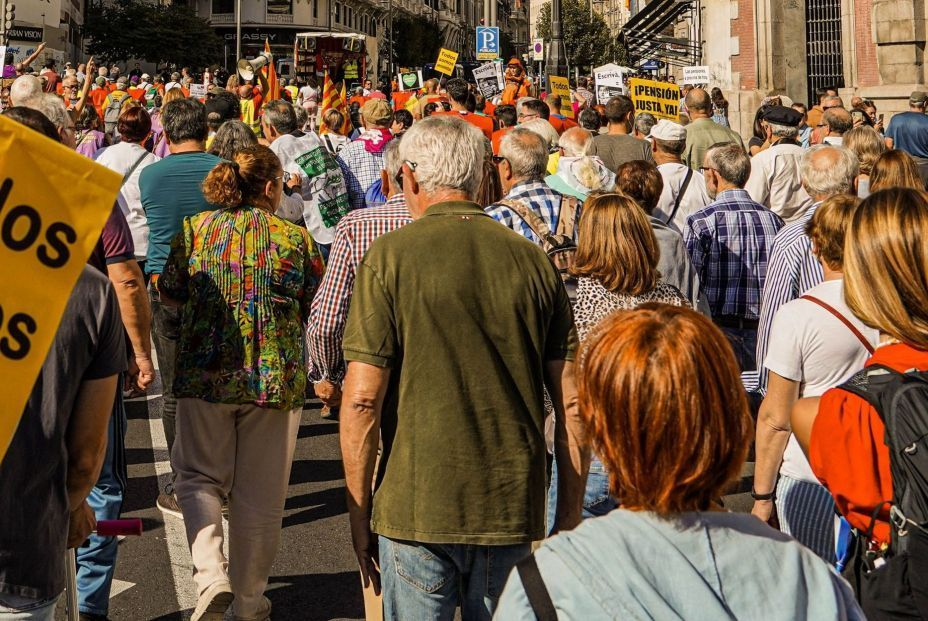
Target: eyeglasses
[528,116]
[69,87]
[412,165]
[498,158]
[703,169]
[285,177]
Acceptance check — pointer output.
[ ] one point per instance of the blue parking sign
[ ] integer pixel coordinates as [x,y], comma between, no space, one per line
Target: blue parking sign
[487,43]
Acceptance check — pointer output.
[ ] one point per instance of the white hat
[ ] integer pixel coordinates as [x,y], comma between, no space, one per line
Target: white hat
[668,130]
[145,76]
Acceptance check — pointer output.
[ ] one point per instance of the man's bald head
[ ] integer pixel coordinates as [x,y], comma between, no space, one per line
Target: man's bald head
[827,170]
[838,121]
[698,100]
[26,91]
[832,101]
[575,141]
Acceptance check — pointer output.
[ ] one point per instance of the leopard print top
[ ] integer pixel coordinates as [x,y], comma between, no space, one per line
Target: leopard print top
[595,302]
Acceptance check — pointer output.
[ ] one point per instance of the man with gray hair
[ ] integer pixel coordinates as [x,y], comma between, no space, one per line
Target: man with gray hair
[774,181]
[315,177]
[684,190]
[729,243]
[353,236]
[448,347]
[644,121]
[835,122]
[26,90]
[825,171]
[522,164]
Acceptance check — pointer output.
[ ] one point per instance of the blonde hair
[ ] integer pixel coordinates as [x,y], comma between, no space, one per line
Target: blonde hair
[172,95]
[886,264]
[895,169]
[828,227]
[867,144]
[617,246]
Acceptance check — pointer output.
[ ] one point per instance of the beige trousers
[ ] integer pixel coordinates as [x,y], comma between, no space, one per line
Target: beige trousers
[242,452]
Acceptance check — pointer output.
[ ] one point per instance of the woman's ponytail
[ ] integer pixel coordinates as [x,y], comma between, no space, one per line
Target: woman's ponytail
[222,186]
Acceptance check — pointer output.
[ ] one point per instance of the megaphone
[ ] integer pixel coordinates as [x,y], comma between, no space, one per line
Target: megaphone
[248,68]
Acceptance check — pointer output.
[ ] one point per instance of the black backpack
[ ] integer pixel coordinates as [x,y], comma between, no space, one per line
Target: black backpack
[893,583]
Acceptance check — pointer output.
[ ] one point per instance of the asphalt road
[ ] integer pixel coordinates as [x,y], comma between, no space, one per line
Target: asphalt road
[314,577]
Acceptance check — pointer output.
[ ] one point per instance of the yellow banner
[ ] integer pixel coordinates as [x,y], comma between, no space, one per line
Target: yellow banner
[411,104]
[53,205]
[446,61]
[561,86]
[662,99]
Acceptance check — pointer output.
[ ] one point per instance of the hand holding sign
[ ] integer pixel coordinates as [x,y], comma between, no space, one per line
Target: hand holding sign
[47,231]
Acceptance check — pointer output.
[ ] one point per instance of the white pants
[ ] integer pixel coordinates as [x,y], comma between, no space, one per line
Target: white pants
[242,452]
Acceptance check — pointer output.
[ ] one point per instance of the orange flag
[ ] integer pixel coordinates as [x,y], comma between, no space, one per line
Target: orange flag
[332,99]
[273,86]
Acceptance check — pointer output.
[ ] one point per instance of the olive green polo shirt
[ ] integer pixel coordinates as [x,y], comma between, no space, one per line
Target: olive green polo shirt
[465,313]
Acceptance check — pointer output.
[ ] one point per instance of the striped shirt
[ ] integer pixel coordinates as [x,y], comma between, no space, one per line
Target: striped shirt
[729,244]
[353,236]
[792,269]
[539,197]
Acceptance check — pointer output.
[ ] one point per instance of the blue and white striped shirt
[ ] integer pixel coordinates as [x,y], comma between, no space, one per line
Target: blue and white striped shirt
[792,270]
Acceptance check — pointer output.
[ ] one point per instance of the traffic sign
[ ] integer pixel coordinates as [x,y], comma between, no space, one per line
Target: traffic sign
[487,42]
[538,50]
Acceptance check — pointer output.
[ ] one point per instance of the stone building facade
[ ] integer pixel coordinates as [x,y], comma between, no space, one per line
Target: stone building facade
[871,48]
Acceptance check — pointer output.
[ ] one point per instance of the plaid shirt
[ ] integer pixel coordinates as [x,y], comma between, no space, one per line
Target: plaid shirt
[540,198]
[361,169]
[353,236]
[729,244]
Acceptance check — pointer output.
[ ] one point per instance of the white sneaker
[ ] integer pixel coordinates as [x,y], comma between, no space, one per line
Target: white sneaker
[213,603]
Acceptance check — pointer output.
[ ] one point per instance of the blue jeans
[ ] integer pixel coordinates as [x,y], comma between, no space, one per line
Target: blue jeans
[13,608]
[597,500]
[96,561]
[427,581]
[744,342]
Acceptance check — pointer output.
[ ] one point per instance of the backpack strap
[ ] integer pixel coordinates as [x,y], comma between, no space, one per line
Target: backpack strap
[536,591]
[532,219]
[676,203]
[842,319]
[567,217]
[132,170]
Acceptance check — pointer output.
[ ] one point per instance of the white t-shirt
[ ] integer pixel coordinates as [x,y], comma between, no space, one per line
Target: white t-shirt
[120,157]
[810,345]
[695,198]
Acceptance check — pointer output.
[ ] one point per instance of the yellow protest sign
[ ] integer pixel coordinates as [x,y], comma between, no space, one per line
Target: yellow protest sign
[47,232]
[412,104]
[446,61]
[662,99]
[561,87]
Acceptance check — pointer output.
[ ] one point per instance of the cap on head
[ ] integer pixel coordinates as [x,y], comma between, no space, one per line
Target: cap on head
[918,98]
[376,112]
[145,76]
[781,115]
[668,130]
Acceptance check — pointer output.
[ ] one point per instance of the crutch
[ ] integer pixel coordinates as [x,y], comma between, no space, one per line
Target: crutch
[105,528]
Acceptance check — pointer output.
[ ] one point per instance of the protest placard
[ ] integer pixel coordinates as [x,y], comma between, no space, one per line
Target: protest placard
[697,75]
[489,78]
[198,91]
[410,80]
[47,232]
[561,86]
[662,99]
[608,79]
[446,61]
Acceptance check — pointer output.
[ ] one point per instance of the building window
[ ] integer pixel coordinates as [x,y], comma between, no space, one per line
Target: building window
[220,7]
[824,56]
[315,9]
[338,13]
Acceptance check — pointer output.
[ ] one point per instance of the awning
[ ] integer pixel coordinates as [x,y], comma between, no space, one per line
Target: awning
[649,34]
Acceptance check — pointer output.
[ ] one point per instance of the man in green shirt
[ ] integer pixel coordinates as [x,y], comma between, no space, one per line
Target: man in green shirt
[456,326]
[702,132]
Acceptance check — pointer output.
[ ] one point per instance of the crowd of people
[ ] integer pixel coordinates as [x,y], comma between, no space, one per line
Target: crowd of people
[531,329]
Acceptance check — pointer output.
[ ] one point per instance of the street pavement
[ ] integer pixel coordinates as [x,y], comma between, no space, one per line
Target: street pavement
[314,577]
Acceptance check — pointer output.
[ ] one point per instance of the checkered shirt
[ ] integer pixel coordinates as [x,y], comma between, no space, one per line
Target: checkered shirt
[361,169]
[540,198]
[729,244]
[329,312]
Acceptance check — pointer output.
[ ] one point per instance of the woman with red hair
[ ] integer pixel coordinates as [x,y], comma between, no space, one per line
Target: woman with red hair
[660,391]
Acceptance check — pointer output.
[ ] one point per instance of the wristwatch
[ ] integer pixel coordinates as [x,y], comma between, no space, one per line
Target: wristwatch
[771,495]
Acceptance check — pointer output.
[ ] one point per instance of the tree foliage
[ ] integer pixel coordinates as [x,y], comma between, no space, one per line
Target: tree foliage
[170,33]
[416,40]
[588,42]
